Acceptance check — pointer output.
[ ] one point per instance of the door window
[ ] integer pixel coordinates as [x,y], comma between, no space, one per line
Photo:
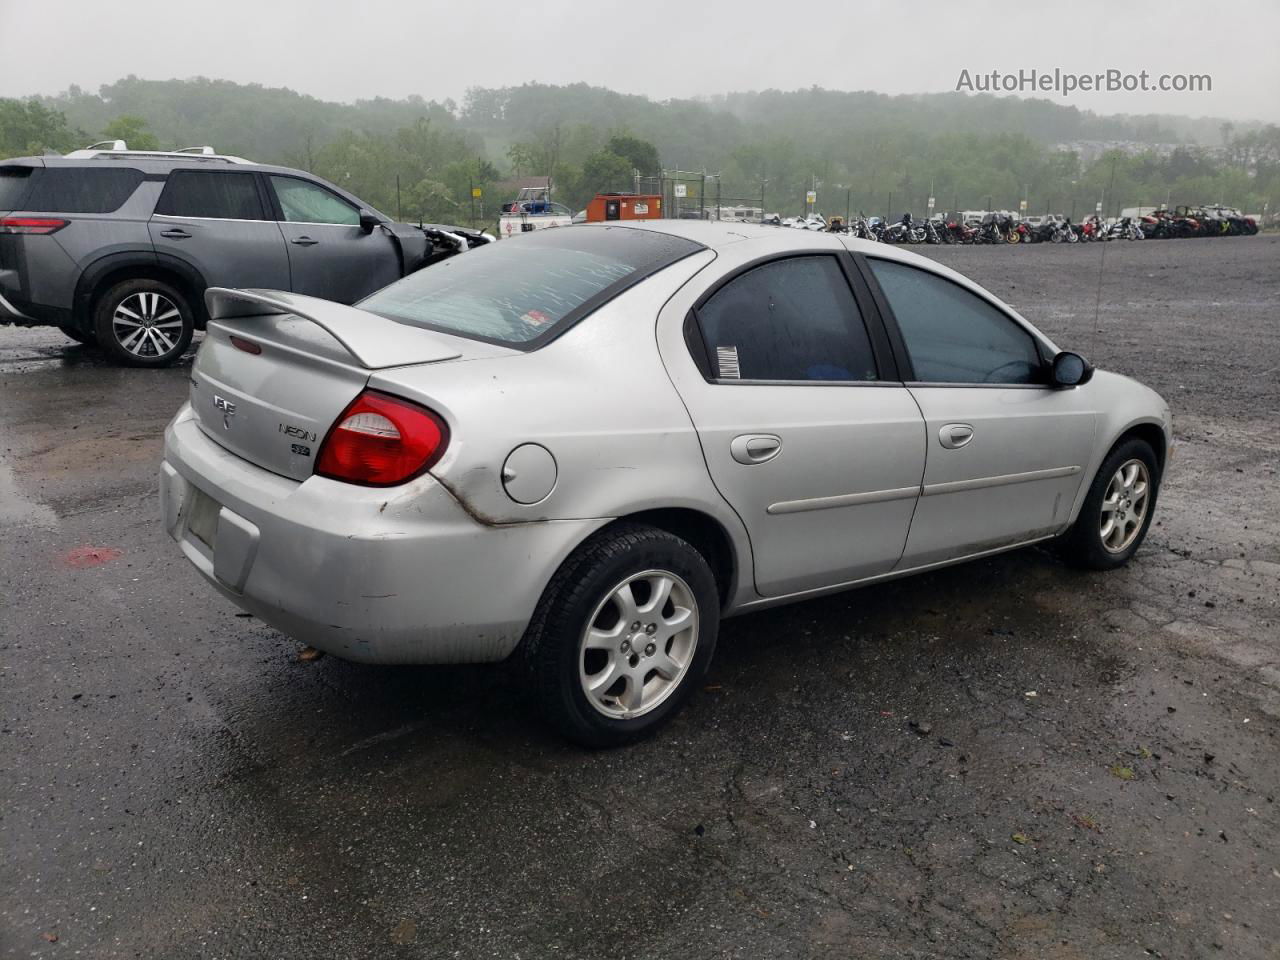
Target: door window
[211,195]
[304,202]
[952,335]
[792,320]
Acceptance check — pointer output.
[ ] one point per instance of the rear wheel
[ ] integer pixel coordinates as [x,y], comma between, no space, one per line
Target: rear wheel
[622,635]
[1117,511]
[144,323]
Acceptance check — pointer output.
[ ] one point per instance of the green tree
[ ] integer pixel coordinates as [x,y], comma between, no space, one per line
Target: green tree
[641,154]
[604,172]
[28,127]
[132,130]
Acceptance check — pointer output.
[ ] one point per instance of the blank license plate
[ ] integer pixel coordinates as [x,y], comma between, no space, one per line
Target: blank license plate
[202,518]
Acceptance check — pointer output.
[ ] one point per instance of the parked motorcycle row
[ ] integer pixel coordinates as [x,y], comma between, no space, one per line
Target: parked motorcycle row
[1003,228]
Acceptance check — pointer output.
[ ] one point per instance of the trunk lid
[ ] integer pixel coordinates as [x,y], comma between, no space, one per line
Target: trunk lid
[274,407]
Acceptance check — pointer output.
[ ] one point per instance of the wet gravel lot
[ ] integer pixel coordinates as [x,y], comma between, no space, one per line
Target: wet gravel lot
[1005,759]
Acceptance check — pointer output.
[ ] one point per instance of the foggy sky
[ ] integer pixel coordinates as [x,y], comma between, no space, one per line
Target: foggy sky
[662,48]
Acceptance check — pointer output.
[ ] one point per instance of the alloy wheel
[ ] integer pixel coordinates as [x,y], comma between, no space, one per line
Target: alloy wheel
[147,324]
[1124,506]
[638,644]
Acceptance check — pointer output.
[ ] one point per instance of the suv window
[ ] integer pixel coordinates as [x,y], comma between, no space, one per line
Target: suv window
[792,319]
[527,289]
[82,189]
[303,202]
[211,195]
[13,186]
[952,335]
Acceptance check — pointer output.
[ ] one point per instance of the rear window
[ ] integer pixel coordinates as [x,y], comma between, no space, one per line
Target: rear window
[82,189]
[209,195]
[526,290]
[13,184]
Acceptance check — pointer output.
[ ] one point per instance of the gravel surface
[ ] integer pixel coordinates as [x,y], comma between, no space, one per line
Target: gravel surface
[1004,759]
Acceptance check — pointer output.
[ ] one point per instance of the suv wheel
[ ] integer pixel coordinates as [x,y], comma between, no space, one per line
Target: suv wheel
[144,323]
[623,635]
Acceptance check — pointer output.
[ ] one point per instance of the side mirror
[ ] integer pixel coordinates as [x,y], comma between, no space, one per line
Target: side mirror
[368,221]
[1071,370]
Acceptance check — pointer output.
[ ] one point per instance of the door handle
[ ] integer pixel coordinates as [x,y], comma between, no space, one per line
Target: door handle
[755,447]
[953,436]
[304,241]
[175,234]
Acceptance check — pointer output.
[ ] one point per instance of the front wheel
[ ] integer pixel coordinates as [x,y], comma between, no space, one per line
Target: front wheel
[623,634]
[144,323]
[1117,511]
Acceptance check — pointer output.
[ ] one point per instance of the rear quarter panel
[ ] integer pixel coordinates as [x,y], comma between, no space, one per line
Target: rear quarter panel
[598,398]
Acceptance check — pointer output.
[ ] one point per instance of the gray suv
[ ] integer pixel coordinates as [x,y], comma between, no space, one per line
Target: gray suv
[117,246]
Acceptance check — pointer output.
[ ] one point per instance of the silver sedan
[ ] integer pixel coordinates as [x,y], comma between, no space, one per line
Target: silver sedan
[586,446]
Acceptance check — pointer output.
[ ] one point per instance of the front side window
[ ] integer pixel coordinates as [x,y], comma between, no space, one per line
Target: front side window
[210,195]
[303,202]
[794,320]
[952,335]
[82,189]
[527,289]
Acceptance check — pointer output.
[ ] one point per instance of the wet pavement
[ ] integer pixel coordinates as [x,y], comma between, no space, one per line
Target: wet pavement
[1006,759]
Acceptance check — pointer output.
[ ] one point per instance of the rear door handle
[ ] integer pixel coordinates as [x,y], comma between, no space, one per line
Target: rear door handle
[755,447]
[176,234]
[304,241]
[953,436]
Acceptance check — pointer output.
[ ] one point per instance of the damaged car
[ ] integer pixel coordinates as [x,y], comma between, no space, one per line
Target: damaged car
[117,246]
[583,447]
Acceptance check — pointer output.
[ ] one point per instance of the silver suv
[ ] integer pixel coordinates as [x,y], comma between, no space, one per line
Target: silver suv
[117,246]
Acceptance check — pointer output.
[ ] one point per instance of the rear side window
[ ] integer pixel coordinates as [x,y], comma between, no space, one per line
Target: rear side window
[82,189]
[211,195]
[952,335]
[13,187]
[789,320]
[526,290]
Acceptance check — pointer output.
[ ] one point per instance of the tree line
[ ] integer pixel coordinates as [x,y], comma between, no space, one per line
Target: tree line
[417,158]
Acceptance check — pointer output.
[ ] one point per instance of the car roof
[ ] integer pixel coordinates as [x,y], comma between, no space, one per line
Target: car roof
[717,234]
[155,164]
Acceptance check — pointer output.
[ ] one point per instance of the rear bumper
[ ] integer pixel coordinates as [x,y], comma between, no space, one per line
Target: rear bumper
[400,575]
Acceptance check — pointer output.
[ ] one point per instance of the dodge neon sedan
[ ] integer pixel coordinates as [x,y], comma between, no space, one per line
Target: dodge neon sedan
[586,446]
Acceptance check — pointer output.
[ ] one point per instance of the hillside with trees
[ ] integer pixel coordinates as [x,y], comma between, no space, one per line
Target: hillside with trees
[873,152]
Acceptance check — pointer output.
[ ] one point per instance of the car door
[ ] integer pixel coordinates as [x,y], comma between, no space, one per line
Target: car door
[216,222]
[330,256]
[805,430]
[1006,451]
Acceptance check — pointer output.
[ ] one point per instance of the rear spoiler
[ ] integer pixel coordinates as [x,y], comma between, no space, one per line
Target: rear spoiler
[373,341]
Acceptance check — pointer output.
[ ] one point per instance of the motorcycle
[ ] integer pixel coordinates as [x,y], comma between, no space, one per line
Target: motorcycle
[904,231]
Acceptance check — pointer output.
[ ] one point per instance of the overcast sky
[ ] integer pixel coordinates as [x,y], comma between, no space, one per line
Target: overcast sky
[662,48]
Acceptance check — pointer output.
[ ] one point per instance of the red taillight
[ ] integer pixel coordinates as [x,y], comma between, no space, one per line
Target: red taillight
[31,224]
[381,440]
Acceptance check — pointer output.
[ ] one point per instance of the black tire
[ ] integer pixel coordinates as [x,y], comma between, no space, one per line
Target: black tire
[81,336]
[553,644]
[148,350]
[1082,545]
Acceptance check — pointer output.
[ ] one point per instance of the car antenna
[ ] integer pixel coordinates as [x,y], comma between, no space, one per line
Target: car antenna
[1102,262]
